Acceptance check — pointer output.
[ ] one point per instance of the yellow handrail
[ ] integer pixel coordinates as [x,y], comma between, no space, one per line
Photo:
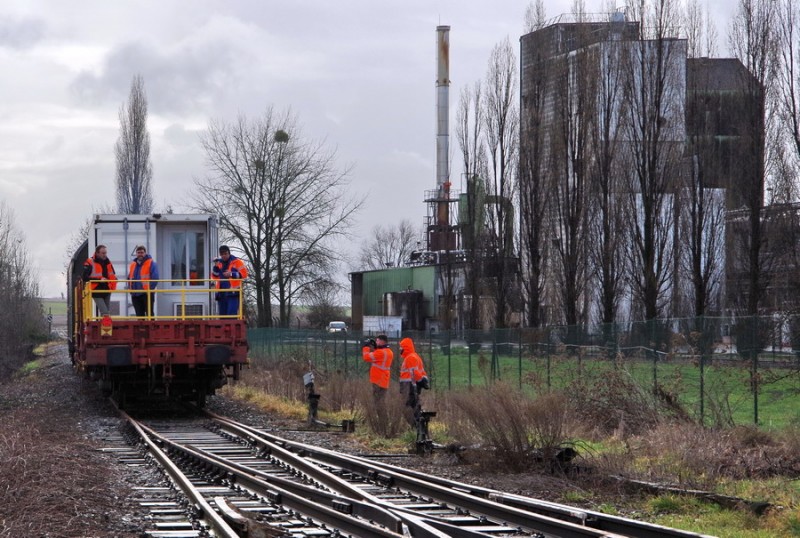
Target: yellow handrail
[183,286]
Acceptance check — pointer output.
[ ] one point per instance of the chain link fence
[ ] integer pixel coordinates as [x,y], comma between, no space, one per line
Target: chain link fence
[718,371]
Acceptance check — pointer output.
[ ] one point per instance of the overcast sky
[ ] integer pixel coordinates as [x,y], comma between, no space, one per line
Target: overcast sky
[359,74]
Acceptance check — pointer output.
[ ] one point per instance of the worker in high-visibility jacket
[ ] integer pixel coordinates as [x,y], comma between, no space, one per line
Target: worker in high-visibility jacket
[378,353]
[99,272]
[142,270]
[228,271]
[413,379]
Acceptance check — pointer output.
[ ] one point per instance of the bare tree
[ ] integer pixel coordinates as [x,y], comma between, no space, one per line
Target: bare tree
[21,319]
[703,199]
[574,116]
[534,138]
[654,95]
[282,199]
[607,209]
[470,135]
[535,16]
[323,304]
[785,187]
[132,150]
[501,130]
[389,246]
[701,34]
[703,214]
[753,41]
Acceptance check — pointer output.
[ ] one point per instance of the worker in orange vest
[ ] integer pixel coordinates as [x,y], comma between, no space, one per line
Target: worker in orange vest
[142,270]
[413,379]
[228,272]
[380,356]
[99,272]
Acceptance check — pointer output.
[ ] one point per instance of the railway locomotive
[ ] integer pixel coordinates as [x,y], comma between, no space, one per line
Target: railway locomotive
[183,349]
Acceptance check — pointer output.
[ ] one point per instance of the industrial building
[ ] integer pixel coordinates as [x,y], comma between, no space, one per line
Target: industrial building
[585,75]
[432,292]
[707,131]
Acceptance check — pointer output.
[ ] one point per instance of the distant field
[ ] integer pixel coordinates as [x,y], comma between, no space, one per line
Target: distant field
[57,307]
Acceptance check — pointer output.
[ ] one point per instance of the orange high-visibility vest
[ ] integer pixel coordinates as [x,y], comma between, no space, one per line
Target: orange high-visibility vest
[144,273]
[412,367]
[97,274]
[381,360]
[234,265]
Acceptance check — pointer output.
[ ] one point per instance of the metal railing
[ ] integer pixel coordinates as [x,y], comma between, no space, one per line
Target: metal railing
[188,289]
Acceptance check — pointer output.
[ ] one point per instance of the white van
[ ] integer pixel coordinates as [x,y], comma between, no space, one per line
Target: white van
[337,327]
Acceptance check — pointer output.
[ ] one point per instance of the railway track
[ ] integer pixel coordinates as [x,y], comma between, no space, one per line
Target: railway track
[242,481]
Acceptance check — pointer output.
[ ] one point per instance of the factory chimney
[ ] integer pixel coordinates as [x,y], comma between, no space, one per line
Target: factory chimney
[442,123]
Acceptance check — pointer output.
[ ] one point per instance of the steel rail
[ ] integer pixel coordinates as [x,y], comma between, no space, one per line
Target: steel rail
[508,514]
[214,519]
[581,516]
[588,518]
[301,501]
[420,526]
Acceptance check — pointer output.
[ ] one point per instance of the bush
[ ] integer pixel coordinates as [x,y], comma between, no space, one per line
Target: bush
[386,419]
[694,457]
[518,432]
[615,404]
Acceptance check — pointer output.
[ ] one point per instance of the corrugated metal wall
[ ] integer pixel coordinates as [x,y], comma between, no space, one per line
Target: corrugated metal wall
[376,283]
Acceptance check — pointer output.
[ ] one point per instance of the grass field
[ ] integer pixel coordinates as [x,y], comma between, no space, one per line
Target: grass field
[748,463]
[57,307]
[724,386]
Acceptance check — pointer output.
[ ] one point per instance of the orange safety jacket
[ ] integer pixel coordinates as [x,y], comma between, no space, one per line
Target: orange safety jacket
[237,269]
[381,360]
[97,274]
[144,275]
[412,367]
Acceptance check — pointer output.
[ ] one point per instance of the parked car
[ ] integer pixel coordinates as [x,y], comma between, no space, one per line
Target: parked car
[337,327]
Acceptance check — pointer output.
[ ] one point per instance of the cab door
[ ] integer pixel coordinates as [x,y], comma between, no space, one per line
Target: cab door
[187,256]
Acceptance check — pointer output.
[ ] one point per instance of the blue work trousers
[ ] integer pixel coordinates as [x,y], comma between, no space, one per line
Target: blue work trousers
[228,304]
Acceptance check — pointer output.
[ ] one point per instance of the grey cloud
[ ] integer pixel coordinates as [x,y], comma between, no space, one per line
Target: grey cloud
[178,135]
[183,79]
[20,33]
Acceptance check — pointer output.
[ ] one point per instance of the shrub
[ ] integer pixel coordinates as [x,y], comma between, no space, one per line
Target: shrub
[615,404]
[519,432]
[385,419]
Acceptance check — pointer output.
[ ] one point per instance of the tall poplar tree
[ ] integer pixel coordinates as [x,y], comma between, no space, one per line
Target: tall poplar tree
[134,170]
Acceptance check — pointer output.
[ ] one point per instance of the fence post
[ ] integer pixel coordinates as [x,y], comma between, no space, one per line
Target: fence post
[654,352]
[469,362]
[449,361]
[519,360]
[494,354]
[703,350]
[755,344]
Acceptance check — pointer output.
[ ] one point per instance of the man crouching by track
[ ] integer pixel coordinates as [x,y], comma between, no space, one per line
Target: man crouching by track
[412,380]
